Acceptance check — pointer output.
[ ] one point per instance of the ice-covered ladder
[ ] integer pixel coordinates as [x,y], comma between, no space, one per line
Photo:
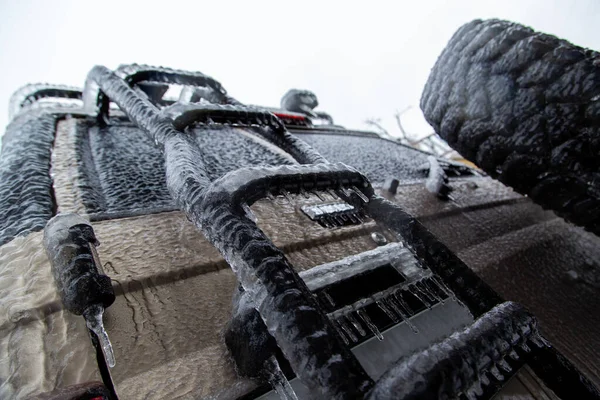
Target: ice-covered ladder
[220,210]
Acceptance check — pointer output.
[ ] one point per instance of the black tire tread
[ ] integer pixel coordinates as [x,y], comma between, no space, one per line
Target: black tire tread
[525,107]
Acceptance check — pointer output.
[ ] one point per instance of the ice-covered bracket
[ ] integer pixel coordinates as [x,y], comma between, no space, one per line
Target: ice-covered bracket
[83,287]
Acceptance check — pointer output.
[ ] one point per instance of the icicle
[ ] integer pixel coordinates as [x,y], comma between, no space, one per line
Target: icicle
[504,346]
[504,365]
[249,213]
[365,318]
[345,193]
[278,380]
[431,293]
[360,194]
[328,298]
[405,318]
[270,196]
[316,193]
[470,395]
[333,194]
[356,324]
[304,193]
[341,334]
[383,307]
[418,294]
[516,338]
[525,347]
[330,221]
[496,373]
[93,320]
[538,340]
[398,297]
[483,378]
[353,219]
[346,329]
[474,391]
[390,302]
[440,284]
[476,387]
[421,288]
[287,195]
[513,354]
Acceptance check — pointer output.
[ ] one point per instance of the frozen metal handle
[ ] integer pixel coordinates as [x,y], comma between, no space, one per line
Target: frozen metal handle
[29,94]
[84,288]
[135,73]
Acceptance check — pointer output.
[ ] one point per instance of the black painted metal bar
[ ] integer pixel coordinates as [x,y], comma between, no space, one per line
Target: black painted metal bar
[262,122]
[475,294]
[290,313]
[456,365]
[31,93]
[302,330]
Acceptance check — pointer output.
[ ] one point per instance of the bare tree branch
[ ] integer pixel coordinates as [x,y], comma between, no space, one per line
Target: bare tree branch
[430,142]
[398,117]
[375,122]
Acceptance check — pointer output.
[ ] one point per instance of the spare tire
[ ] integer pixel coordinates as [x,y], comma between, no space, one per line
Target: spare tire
[525,107]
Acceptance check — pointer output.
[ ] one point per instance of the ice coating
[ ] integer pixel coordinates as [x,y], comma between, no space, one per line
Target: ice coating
[274,272]
[278,380]
[475,294]
[384,158]
[250,344]
[365,318]
[69,241]
[26,192]
[475,302]
[399,311]
[185,115]
[118,182]
[29,94]
[455,365]
[186,180]
[437,180]
[136,73]
[262,269]
[326,274]
[84,289]
[250,184]
[25,162]
[408,285]
[93,319]
[301,101]
[38,338]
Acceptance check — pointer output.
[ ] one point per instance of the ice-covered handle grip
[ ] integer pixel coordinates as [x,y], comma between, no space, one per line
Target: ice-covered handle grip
[96,101]
[31,93]
[135,73]
[70,244]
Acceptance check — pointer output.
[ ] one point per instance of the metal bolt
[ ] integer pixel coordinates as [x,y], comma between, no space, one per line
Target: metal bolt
[378,238]
[391,185]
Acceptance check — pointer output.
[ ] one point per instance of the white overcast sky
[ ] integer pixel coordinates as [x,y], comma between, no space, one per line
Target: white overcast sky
[363,59]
